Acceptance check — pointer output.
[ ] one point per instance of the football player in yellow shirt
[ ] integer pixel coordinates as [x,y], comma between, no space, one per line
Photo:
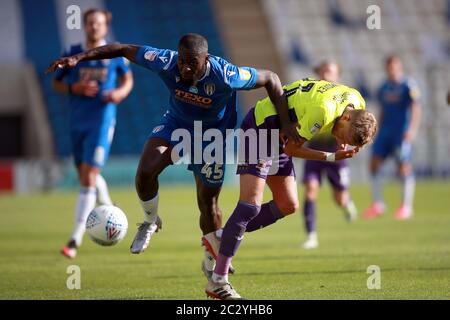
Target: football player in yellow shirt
[318,107]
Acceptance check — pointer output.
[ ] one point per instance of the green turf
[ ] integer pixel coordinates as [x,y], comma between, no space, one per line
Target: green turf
[414,256]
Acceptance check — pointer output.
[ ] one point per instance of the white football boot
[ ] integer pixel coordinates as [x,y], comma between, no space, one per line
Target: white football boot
[211,242]
[350,212]
[143,235]
[312,242]
[221,291]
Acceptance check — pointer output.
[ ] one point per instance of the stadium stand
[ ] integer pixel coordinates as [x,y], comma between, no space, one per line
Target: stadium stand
[286,36]
[310,31]
[157,23]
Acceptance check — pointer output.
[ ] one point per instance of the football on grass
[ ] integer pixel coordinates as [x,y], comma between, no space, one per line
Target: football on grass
[107,225]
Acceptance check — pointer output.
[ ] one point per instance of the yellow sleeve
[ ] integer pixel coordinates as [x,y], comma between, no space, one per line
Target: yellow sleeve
[311,122]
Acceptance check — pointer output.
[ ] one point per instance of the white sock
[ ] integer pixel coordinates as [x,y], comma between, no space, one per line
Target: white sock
[312,236]
[209,261]
[221,279]
[350,208]
[409,184]
[85,204]
[102,191]
[150,208]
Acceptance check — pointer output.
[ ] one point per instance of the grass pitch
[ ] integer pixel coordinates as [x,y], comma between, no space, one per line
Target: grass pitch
[414,256]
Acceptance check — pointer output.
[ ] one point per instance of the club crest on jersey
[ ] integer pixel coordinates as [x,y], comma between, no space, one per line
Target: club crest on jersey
[316,127]
[244,74]
[177,79]
[209,88]
[157,129]
[150,55]
[193,89]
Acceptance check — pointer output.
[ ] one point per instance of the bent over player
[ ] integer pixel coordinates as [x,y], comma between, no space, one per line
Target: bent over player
[318,107]
[94,88]
[202,88]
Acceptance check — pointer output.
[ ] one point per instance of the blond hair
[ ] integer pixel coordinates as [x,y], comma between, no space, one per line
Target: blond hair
[363,127]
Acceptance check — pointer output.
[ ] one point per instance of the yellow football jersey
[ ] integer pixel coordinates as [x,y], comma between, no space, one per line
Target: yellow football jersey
[316,103]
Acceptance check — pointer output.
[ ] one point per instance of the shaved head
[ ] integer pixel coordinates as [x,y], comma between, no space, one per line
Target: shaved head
[194,43]
[192,57]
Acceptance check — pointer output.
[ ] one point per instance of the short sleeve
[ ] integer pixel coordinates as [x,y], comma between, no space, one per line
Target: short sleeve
[155,59]
[311,123]
[240,78]
[123,66]
[413,90]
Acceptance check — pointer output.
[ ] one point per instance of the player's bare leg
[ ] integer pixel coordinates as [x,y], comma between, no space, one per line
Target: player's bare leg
[154,159]
[377,207]
[408,185]
[208,204]
[285,202]
[309,212]
[210,224]
[343,200]
[85,204]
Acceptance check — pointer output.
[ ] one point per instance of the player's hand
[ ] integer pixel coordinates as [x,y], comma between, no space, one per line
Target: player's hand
[341,144]
[289,132]
[408,136]
[114,96]
[68,62]
[87,88]
[345,154]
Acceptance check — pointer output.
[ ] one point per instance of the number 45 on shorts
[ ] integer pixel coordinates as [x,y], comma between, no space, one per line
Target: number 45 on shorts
[212,171]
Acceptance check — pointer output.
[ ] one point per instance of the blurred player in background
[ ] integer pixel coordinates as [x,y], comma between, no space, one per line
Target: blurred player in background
[95,88]
[338,172]
[202,88]
[399,121]
[318,107]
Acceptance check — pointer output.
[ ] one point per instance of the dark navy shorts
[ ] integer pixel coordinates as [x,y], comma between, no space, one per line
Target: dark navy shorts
[389,144]
[256,161]
[338,173]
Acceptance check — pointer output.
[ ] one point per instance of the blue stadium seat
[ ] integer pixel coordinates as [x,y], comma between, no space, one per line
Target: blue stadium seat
[152,22]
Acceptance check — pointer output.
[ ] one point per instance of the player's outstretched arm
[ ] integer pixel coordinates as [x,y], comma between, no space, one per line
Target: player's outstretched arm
[299,151]
[108,51]
[274,88]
